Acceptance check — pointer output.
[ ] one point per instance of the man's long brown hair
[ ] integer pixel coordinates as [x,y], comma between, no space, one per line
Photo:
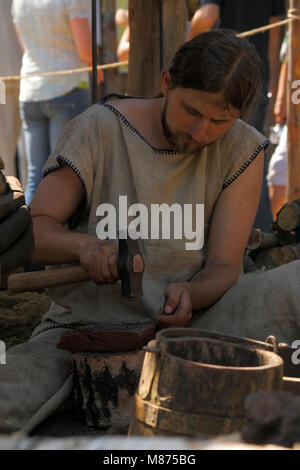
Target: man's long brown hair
[218,61]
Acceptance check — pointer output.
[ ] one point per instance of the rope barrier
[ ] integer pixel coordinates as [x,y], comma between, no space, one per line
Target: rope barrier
[65,72]
[293,14]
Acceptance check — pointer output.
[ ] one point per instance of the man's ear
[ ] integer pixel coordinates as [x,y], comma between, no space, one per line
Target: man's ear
[165,82]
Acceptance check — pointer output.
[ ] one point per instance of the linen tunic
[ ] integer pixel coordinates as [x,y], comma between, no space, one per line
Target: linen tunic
[112,158]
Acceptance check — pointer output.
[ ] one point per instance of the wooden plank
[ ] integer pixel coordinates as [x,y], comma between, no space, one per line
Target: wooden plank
[293,109]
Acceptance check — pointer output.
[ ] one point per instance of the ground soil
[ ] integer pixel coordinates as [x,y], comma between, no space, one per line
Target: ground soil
[20,314]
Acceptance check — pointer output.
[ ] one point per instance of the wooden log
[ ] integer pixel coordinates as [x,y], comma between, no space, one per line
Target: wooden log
[104,387]
[286,238]
[285,254]
[293,108]
[273,257]
[288,217]
[259,239]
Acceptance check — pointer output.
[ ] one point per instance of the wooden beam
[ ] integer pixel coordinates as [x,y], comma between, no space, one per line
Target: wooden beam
[144,58]
[175,17]
[293,108]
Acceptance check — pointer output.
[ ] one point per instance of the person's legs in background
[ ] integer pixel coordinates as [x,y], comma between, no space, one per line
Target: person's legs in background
[43,122]
[277,174]
[63,109]
[36,136]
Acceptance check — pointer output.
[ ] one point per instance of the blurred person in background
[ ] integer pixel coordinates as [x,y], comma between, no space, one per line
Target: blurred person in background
[10,61]
[122,19]
[54,35]
[276,176]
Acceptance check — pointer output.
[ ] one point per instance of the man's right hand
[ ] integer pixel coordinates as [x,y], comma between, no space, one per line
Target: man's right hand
[99,258]
[16,234]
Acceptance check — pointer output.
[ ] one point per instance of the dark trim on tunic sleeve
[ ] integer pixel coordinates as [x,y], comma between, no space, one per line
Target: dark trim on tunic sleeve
[61,160]
[245,165]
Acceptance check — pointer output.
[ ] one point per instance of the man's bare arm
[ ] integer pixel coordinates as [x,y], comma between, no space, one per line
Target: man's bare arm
[59,195]
[124,45]
[57,198]
[231,224]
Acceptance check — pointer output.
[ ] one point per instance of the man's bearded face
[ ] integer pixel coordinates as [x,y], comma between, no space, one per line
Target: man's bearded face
[192,119]
[180,141]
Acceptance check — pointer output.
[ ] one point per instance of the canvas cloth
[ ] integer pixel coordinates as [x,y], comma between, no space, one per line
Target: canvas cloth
[112,158]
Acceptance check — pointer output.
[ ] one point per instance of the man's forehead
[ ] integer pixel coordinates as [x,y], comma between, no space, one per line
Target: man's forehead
[213,102]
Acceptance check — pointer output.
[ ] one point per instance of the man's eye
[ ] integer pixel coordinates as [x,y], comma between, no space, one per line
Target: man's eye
[192,112]
[217,122]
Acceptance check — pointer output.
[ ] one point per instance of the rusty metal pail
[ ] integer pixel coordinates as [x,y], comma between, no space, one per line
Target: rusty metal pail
[196,386]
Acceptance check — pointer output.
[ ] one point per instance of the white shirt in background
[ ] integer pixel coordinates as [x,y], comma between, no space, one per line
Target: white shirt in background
[46,34]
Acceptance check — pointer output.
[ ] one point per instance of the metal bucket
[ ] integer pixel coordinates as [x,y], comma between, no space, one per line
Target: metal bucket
[196,386]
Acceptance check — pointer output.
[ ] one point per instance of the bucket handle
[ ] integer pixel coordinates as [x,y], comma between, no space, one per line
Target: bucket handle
[152,350]
[159,349]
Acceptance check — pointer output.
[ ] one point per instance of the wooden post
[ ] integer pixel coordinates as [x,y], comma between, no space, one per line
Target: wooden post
[293,108]
[144,59]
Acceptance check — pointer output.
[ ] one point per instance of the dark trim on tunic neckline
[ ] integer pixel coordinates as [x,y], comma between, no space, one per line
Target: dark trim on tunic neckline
[125,121]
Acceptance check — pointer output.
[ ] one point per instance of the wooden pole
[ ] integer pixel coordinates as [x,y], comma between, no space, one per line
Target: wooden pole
[143,72]
[293,107]
[144,59]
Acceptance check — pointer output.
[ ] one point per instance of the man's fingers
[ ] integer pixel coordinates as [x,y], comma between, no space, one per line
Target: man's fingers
[182,314]
[102,265]
[178,319]
[113,265]
[171,303]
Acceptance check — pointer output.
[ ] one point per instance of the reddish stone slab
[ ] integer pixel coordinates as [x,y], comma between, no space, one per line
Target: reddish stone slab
[110,340]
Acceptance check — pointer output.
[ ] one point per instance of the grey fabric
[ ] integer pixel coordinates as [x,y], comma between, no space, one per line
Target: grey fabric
[35,373]
[259,305]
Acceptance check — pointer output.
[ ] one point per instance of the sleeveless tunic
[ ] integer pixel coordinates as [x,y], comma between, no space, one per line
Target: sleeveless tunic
[112,158]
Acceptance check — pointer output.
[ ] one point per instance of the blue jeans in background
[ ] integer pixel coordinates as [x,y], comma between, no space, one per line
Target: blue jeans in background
[43,122]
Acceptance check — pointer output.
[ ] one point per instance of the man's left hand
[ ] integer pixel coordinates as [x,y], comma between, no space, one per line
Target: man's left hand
[177,310]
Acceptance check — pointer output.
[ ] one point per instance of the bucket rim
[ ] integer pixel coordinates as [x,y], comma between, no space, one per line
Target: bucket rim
[272,359]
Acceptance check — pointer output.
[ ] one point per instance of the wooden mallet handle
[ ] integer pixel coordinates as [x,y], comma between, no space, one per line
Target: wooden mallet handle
[37,280]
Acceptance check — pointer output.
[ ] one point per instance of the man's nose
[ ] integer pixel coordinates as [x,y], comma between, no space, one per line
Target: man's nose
[199,129]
